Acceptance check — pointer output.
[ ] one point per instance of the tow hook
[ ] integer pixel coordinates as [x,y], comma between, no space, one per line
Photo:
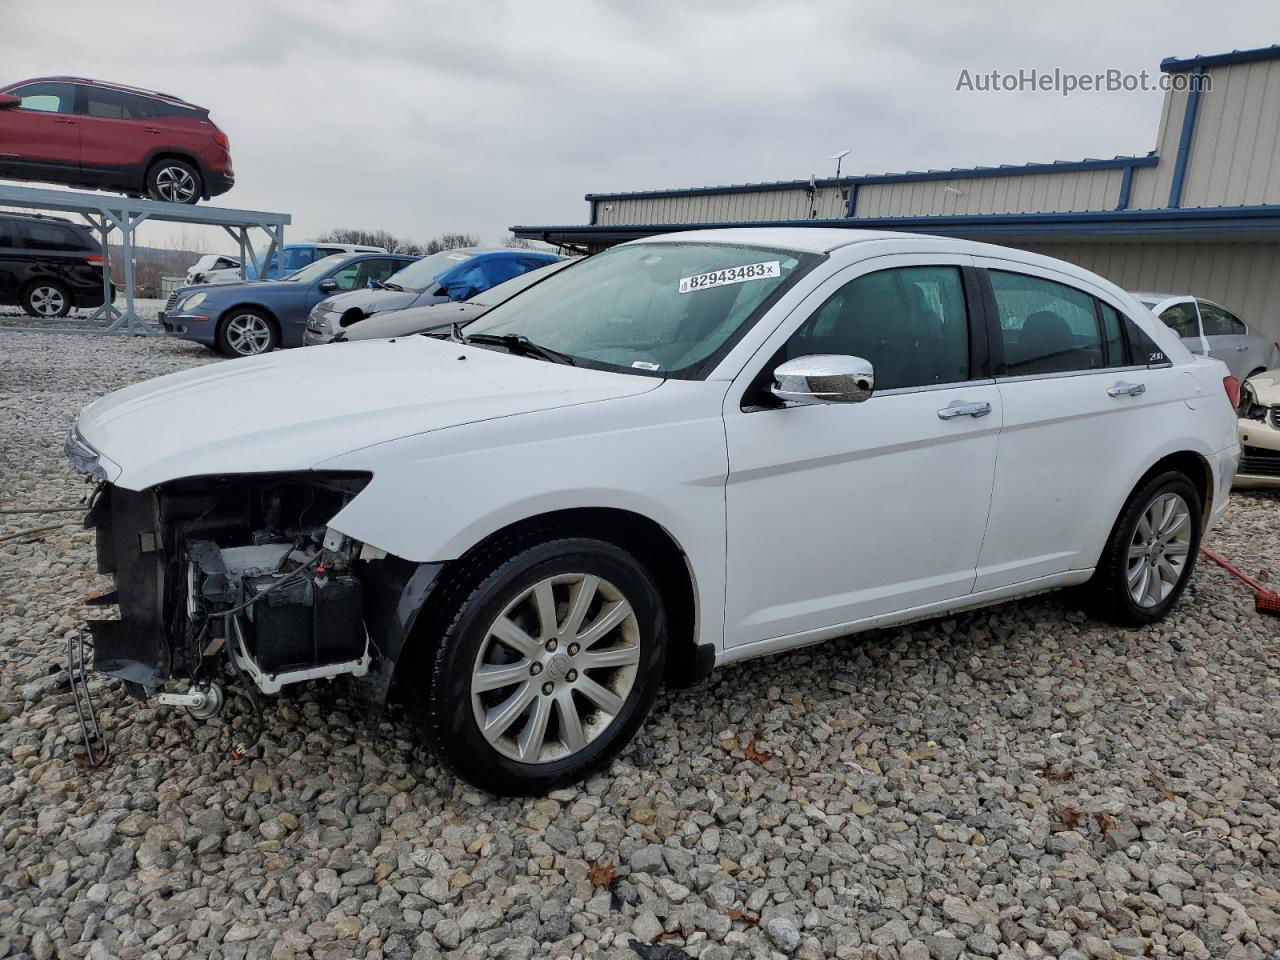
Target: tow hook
[203,701]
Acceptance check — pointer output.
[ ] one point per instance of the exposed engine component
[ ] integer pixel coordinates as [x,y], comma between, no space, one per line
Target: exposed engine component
[203,701]
[244,567]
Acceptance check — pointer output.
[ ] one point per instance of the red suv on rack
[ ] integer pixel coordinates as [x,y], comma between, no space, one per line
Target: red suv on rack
[86,133]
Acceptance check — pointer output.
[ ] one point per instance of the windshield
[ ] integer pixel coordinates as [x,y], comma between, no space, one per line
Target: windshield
[318,269]
[660,309]
[418,275]
[505,291]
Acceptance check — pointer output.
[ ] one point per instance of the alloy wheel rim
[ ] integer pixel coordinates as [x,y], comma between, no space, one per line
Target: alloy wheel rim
[555,668]
[47,301]
[176,184]
[1159,550]
[248,334]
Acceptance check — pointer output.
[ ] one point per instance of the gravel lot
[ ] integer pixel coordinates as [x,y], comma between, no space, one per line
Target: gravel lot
[1018,782]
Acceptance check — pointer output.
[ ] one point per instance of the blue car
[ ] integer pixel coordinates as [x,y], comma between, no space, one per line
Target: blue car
[252,317]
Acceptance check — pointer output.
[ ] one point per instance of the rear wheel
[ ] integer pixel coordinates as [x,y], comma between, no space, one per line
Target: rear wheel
[174,181]
[1151,552]
[547,667]
[247,333]
[46,299]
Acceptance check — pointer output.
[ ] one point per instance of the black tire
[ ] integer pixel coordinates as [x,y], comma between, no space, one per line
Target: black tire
[231,343]
[46,299]
[1108,590]
[174,181]
[439,684]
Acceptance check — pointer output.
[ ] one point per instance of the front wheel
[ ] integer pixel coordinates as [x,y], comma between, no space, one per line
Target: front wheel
[247,333]
[1151,552]
[546,668]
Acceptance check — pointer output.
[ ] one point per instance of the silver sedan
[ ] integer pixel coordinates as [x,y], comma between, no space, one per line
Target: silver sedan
[328,328]
[1210,328]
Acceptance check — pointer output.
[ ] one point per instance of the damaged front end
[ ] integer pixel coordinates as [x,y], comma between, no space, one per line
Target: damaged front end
[245,569]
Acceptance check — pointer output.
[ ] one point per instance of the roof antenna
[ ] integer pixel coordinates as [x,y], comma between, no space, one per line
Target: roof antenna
[837,157]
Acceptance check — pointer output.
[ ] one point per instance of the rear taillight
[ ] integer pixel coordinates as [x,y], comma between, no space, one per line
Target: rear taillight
[1232,386]
[221,140]
[93,261]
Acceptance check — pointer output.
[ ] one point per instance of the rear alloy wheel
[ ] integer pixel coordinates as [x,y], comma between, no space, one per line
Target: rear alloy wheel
[247,333]
[1151,552]
[548,667]
[46,300]
[174,181]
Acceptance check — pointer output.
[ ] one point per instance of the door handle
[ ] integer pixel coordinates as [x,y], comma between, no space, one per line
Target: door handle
[70,123]
[961,408]
[1127,390]
[151,129]
[1242,348]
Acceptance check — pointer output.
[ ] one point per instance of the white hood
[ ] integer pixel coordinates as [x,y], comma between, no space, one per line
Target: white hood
[291,410]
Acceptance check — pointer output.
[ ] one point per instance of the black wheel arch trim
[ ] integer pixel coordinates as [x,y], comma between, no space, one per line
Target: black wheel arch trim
[396,592]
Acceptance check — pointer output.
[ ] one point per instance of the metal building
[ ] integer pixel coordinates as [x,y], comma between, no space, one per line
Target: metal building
[1200,213]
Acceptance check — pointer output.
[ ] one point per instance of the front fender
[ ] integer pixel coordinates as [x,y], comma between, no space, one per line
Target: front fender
[660,454]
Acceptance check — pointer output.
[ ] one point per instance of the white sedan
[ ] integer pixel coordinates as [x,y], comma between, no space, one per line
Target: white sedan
[685,451]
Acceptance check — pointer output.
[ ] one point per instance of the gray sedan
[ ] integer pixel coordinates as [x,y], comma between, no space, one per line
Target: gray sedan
[1208,327]
[397,323]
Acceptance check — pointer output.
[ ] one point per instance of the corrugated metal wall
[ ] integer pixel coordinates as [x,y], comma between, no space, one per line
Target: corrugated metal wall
[721,208]
[1233,157]
[1243,277]
[1027,193]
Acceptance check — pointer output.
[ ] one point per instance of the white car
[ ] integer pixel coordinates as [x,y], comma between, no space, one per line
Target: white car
[212,263]
[685,451]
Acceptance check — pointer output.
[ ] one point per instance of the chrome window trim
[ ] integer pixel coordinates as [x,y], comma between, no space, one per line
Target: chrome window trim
[932,387]
[1021,378]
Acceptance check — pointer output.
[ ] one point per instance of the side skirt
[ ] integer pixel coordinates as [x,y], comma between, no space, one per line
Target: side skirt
[1015,591]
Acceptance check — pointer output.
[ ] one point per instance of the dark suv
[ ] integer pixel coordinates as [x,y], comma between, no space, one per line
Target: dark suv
[86,133]
[48,265]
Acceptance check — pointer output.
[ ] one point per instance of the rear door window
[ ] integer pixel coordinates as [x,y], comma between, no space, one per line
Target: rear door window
[1220,323]
[1045,326]
[51,237]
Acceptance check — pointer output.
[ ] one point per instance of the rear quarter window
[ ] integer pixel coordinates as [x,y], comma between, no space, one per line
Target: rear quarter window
[52,237]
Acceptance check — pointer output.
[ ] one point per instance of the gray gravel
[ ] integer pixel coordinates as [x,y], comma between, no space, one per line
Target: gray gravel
[1017,783]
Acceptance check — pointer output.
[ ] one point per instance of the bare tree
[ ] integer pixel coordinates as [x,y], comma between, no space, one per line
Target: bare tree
[451,241]
[372,238]
[519,243]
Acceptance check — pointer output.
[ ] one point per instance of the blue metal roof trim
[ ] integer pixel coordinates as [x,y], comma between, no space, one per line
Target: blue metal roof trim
[956,173]
[1006,170]
[1176,65]
[1128,222]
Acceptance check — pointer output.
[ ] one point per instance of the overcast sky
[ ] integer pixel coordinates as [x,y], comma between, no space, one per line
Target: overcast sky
[424,117]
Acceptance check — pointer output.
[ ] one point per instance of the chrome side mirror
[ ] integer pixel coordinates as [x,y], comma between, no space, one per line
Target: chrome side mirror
[824,378]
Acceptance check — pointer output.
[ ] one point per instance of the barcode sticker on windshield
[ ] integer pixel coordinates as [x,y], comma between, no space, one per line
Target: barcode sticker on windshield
[720,278]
